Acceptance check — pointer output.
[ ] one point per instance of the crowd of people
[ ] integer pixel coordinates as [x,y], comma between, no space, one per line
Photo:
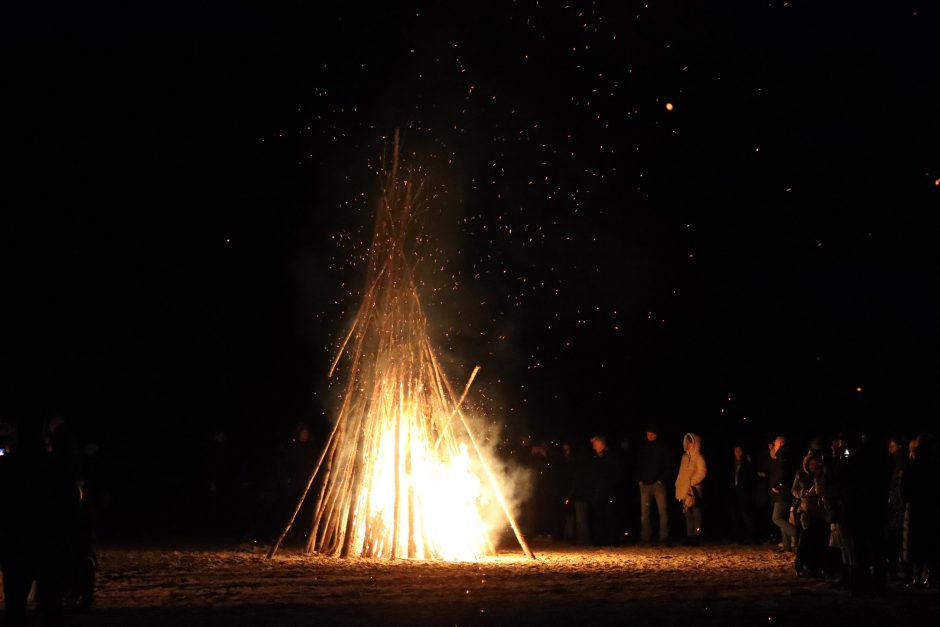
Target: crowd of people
[585,496]
[854,510]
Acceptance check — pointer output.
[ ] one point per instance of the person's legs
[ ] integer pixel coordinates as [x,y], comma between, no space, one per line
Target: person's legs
[659,492]
[646,495]
[582,529]
[17,580]
[693,525]
[893,551]
[781,514]
[601,519]
[613,535]
[51,583]
[747,520]
[819,548]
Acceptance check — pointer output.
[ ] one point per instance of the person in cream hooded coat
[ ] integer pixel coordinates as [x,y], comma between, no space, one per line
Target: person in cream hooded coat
[692,471]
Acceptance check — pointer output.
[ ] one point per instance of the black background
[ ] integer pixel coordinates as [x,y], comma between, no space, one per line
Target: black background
[188,189]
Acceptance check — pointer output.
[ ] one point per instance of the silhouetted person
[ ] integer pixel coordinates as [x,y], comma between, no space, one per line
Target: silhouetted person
[779,477]
[763,512]
[547,498]
[628,501]
[606,473]
[894,538]
[692,472]
[296,464]
[653,472]
[866,515]
[743,480]
[919,487]
[835,484]
[65,457]
[60,442]
[39,512]
[813,541]
[576,482]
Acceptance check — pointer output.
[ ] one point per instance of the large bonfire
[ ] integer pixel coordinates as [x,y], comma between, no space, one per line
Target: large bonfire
[401,474]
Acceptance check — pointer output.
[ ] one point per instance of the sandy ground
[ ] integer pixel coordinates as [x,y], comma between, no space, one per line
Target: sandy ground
[714,585]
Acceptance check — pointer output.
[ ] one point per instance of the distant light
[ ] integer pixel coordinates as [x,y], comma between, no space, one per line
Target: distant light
[937,182]
[669,106]
[858,389]
[228,241]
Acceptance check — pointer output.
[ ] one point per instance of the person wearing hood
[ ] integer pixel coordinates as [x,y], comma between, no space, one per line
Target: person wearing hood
[692,471]
[811,544]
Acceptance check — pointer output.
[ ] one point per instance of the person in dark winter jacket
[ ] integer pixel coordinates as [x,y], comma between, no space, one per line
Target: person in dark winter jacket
[834,486]
[546,496]
[866,515]
[606,474]
[894,539]
[919,490]
[763,511]
[576,486]
[812,545]
[743,478]
[778,476]
[653,474]
[64,456]
[40,508]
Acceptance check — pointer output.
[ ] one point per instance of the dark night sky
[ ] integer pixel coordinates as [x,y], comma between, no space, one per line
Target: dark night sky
[187,192]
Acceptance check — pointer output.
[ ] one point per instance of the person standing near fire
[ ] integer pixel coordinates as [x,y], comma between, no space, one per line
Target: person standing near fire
[606,472]
[778,476]
[692,472]
[652,472]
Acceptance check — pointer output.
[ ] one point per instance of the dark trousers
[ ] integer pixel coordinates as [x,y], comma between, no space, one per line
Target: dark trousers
[894,549]
[864,540]
[19,572]
[650,492]
[602,516]
[18,576]
[581,528]
[693,521]
[812,547]
[742,516]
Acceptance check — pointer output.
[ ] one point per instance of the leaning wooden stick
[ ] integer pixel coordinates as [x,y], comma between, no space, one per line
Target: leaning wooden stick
[300,502]
[489,475]
[497,491]
[457,406]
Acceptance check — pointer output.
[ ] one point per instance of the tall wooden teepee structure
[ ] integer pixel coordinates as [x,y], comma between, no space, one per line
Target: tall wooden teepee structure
[401,472]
